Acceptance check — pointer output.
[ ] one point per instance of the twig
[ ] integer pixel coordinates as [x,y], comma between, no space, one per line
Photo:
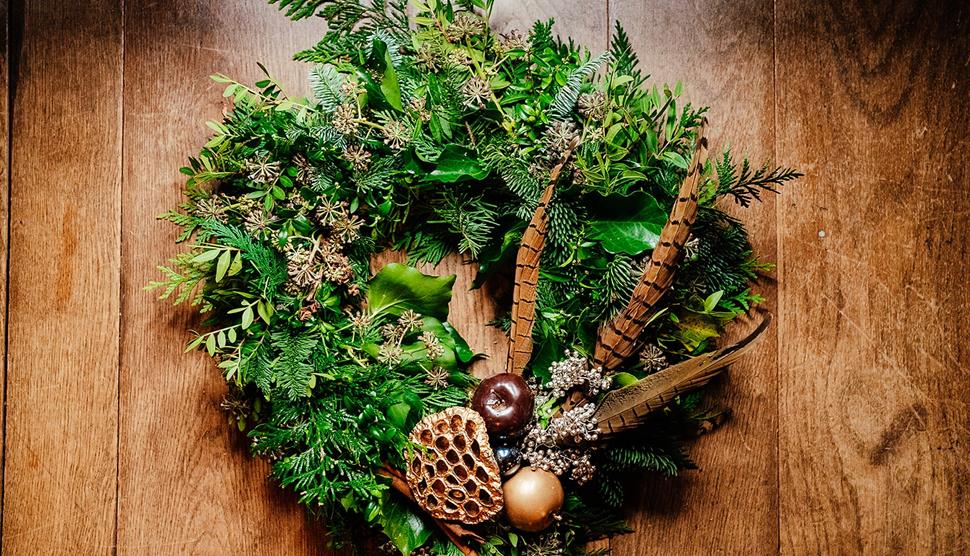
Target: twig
[452,531]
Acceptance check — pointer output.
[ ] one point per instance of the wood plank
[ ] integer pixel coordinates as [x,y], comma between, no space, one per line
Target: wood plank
[722,52]
[4,211]
[872,102]
[62,379]
[187,483]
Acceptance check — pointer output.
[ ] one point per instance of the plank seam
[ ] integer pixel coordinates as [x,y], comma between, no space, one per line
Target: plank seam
[779,281]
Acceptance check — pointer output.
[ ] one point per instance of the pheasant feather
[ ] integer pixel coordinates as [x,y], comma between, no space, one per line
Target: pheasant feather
[626,407]
[620,338]
[527,274]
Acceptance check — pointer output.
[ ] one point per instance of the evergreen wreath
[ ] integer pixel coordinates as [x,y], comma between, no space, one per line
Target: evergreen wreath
[529,156]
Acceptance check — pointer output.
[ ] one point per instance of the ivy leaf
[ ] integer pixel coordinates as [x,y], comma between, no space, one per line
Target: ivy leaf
[454,164]
[628,224]
[406,529]
[399,287]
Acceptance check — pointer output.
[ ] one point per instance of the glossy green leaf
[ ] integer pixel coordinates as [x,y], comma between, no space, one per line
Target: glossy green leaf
[406,529]
[399,287]
[629,224]
[454,164]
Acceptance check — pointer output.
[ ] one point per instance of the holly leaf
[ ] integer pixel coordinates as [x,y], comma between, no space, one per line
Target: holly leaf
[454,164]
[398,287]
[629,224]
[406,529]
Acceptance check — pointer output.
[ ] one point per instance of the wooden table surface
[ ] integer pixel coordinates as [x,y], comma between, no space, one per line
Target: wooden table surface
[850,432]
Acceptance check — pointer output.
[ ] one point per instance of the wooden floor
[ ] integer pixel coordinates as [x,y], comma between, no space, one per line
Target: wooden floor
[851,423]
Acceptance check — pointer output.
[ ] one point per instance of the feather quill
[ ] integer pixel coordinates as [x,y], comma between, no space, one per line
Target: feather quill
[620,338]
[527,274]
[627,407]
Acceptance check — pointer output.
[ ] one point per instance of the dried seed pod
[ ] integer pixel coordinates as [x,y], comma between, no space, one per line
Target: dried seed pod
[453,474]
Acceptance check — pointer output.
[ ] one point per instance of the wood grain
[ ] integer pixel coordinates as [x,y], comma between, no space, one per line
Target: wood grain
[4,213]
[850,424]
[722,52]
[187,483]
[872,103]
[62,377]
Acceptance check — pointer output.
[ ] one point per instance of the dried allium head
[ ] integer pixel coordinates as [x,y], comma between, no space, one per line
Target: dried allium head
[345,119]
[653,358]
[465,25]
[437,377]
[396,134]
[557,138]
[263,170]
[513,40]
[593,105]
[476,92]
[358,157]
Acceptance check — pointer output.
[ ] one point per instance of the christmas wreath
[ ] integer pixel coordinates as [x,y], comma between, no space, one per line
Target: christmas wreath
[430,134]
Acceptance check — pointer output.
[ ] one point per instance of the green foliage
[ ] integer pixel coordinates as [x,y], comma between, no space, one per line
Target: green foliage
[397,288]
[435,135]
[628,224]
[745,184]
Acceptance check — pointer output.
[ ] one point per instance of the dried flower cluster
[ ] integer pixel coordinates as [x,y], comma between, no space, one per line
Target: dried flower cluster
[557,138]
[653,358]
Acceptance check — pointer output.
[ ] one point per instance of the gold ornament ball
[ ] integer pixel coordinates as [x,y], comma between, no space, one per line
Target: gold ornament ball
[532,498]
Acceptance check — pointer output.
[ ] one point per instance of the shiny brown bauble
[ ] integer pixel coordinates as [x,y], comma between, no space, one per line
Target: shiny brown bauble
[532,498]
[505,402]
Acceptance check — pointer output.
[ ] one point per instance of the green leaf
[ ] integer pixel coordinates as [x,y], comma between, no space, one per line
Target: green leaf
[454,164]
[247,317]
[265,310]
[629,224]
[236,265]
[397,414]
[206,256]
[399,287]
[624,379]
[463,352]
[223,265]
[389,85]
[711,302]
[406,529]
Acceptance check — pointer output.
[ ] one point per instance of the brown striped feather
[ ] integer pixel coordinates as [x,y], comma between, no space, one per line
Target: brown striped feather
[627,407]
[527,275]
[620,338]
